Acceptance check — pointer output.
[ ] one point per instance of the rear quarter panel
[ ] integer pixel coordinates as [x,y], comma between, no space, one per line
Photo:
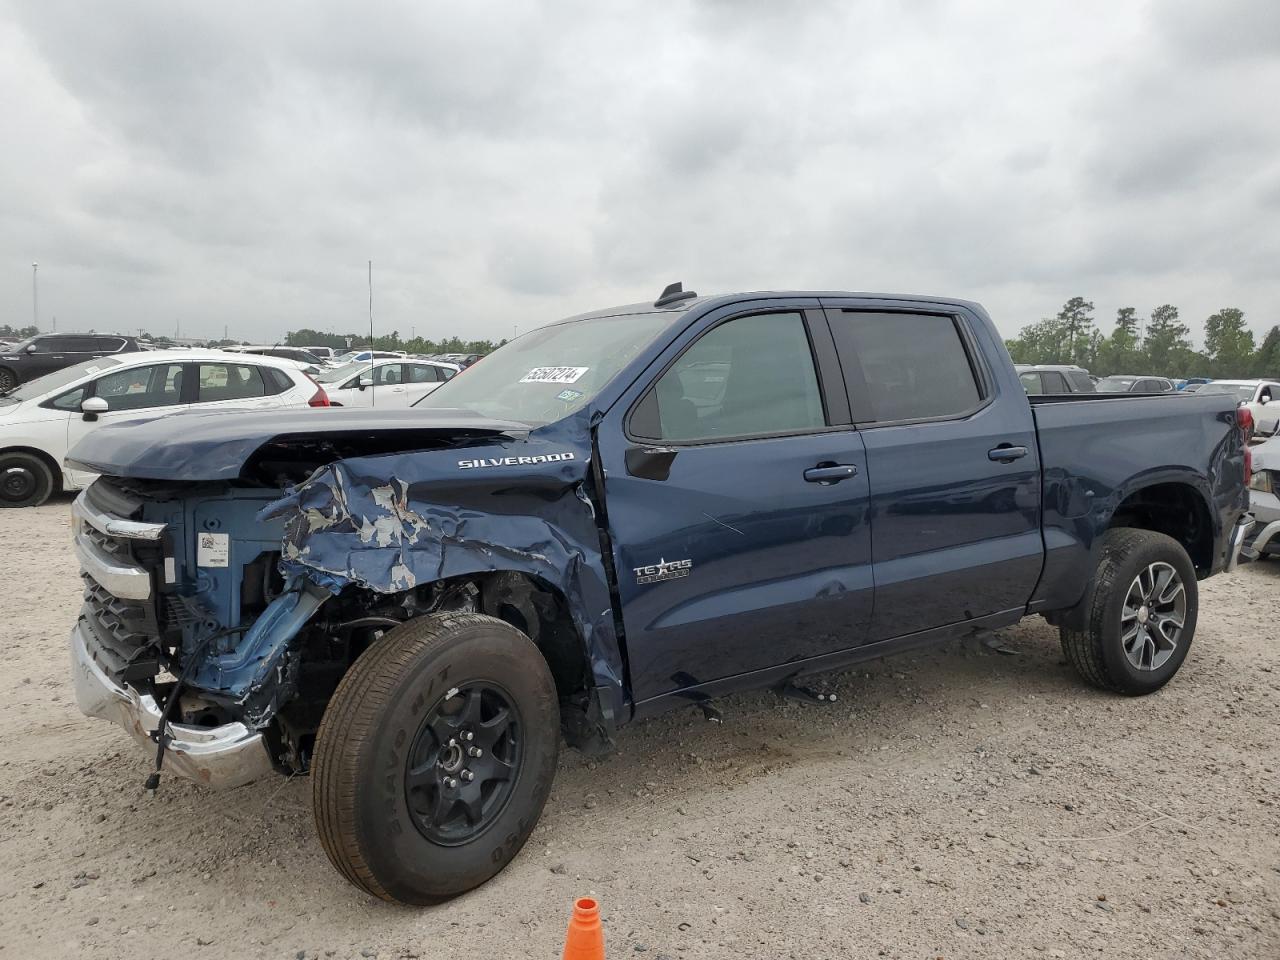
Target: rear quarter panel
[1097,452]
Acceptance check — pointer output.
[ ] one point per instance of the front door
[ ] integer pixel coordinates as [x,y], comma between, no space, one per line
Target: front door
[737,500]
[955,475]
[131,393]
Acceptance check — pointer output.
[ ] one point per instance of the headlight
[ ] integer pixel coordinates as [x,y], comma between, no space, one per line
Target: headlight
[1261,481]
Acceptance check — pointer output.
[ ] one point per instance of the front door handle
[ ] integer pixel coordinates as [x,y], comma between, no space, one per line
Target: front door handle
[1006,453]
[830,472]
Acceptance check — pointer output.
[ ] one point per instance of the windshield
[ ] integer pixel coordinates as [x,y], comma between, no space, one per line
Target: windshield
[550,372]
[1115,384]
[1240,391]
[59,378]
[336,374]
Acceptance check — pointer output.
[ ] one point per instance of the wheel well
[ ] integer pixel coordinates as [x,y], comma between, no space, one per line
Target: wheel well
[1176,510]
[541,612]
[54,467]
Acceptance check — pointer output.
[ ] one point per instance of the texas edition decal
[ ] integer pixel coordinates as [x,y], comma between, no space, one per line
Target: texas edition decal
[663,570]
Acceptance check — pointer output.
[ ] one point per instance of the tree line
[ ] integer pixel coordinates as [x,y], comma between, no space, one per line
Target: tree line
[391,341]
[1156,345]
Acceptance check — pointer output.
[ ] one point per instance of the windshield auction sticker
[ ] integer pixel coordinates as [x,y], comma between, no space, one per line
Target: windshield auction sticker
[554,375]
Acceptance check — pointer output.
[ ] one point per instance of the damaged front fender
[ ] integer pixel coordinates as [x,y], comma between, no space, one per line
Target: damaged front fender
[392,522]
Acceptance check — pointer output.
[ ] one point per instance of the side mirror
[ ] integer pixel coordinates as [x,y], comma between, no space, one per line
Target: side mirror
[92,407]
[31,348]
[365,382]
[1263,400]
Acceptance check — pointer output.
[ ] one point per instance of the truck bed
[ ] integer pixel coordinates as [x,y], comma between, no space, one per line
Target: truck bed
[1096,449]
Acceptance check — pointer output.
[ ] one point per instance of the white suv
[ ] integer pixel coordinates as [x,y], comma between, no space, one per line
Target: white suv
[41,420]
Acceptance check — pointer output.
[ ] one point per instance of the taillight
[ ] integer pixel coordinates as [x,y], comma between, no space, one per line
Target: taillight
[1244,420]
[319,398]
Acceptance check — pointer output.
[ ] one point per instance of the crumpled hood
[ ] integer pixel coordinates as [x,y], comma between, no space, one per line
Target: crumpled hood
[200,446]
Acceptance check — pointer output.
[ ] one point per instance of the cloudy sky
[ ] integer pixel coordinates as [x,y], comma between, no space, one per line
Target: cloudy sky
[504,164]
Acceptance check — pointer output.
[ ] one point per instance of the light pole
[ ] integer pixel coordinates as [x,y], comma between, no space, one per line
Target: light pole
[35,297]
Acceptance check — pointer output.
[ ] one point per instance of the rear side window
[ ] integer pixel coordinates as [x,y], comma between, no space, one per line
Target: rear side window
[231,381]
[1054,382]
[753,376]
[277,380]
[915,366]
[421,373]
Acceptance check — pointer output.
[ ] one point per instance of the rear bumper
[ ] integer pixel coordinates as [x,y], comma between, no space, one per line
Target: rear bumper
[225,756]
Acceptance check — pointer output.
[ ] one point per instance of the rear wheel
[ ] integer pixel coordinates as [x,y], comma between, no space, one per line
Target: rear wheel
[435,757]
[8,379]
[25,480]
[1139,615]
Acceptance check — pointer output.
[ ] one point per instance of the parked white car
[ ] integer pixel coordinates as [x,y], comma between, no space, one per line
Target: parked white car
[42,419]
[1259,396]
[384,383]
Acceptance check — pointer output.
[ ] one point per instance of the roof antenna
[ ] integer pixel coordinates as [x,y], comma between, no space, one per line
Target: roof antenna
[674,293]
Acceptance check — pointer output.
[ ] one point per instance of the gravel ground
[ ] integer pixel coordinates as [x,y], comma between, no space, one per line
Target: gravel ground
[964,802]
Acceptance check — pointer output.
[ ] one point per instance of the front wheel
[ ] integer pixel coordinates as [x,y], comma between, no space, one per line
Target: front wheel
[435,757]
[1139,615]
[8,380]
[25,480]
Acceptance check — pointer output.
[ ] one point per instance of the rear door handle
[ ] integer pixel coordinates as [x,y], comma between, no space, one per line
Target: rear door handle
[1006,453]
[830,472]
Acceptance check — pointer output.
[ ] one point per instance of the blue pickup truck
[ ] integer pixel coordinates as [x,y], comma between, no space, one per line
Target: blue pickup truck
[631,510]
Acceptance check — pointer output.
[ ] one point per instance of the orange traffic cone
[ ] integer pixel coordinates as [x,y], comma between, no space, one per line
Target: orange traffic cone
[585,939]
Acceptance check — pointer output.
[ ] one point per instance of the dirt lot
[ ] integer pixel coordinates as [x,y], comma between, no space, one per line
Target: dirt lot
[968,802]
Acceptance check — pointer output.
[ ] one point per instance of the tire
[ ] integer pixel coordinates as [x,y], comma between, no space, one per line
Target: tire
[8,380]
[1101,642]
[25,480]
[387,817]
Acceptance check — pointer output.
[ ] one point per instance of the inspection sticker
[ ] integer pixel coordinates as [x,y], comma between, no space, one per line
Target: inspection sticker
[554,374]
[213,550]
[568,396]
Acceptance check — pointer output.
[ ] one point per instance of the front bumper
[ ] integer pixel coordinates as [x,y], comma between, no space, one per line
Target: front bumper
[226,756]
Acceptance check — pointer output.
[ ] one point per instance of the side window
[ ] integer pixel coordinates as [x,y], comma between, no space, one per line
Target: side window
[1054,382]
[753,376]
[51,345]
[1081,382]
[277,380]
[915,366]
[230,381]
[1031,383]
[141,387]
[70,400]
[389,374]
[101,345]
[421,373]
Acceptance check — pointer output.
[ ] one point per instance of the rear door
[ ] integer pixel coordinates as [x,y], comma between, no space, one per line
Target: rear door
[736,491]
[419,380]
[231,385]
[954,472]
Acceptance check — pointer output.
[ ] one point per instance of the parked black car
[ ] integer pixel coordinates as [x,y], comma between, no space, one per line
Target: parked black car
[48,352]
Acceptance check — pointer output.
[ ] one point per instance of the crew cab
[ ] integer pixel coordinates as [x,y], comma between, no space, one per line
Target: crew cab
[632,510]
